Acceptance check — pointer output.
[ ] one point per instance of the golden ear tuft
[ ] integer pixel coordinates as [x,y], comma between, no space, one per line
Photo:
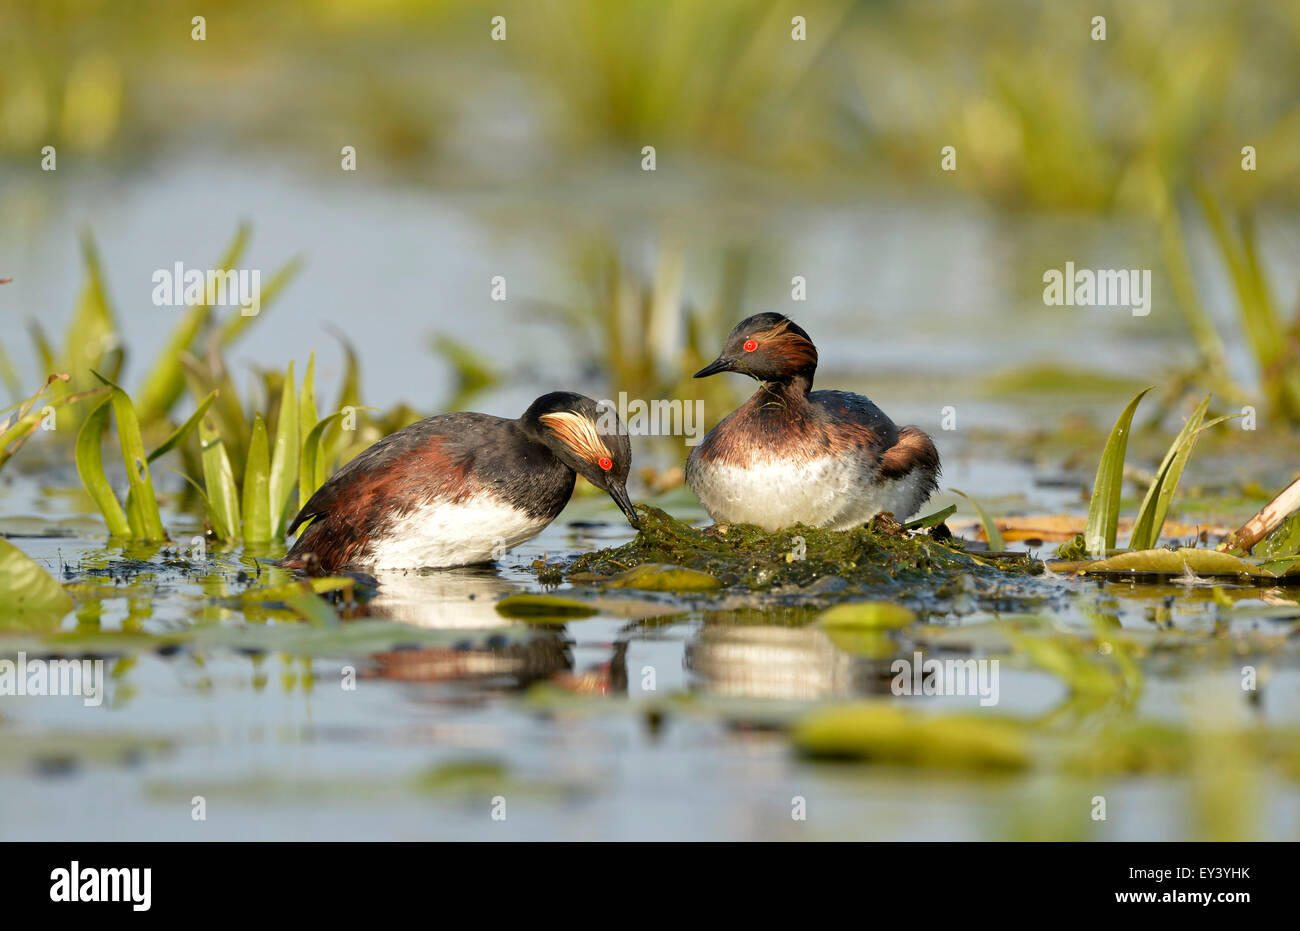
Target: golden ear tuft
[578,433]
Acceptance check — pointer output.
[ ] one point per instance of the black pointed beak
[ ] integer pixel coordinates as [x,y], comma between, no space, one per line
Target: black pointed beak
[619,494]
[717,365]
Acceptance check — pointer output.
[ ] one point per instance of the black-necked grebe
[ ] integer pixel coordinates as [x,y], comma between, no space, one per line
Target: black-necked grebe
[460,489]
[790,455]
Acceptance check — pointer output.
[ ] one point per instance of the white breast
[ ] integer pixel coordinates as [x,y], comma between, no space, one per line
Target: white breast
[836,493]
[440,535]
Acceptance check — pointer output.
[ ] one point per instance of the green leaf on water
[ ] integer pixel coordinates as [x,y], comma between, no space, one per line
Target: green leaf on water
[660,577]
[311,607]
[284,455]
[318,585]
[90,466]
[866,615]
[873,644]
[1103,510]
[219,484]
[991,531]
[1066,659]
[257,486]
[543,608]
[1178,562]
[879,732]
[29,596]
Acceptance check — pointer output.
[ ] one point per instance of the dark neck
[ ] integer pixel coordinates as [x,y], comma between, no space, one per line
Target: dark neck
[783,392]
[797,384]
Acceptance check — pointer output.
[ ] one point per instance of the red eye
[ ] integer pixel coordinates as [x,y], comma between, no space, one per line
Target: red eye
[750,345]
[606,463]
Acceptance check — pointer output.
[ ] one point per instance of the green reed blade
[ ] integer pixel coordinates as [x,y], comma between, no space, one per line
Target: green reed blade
[257,486]
[1155,505]
[221,492]
[312,471]
[229,415]
[184,429]
[92,333]
[931,520]
[90,466]
[349,394]
[141,502]
[285,454]
[307,421]
[1103,510]
[990,525]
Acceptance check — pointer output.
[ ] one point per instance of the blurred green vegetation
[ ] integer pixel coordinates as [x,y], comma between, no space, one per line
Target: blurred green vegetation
[1040,113]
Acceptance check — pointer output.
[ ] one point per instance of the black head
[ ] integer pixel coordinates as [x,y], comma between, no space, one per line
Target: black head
[768,347]
[588,438]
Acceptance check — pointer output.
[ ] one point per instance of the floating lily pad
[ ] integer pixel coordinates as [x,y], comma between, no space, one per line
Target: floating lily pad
[872,644]
[656,577]
[884,733]
[1178,562]
[543,608]
[867,615]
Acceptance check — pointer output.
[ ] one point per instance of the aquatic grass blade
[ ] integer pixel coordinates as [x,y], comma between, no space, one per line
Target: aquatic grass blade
[1155,505]
[931,520]
[307,420]
[257,486]
[990,525]
[349,395]
[221,492]
[311,471]
[184,429]
[141,502]
[18,429]
[90,466]
[229,415]
[284,455]
[307,413]
[1103,509]
[92,332]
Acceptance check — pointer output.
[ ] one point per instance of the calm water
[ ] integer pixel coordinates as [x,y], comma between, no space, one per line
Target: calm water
[921,303]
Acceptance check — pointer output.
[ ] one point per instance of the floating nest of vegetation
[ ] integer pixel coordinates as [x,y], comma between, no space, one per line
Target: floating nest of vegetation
[669,555]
